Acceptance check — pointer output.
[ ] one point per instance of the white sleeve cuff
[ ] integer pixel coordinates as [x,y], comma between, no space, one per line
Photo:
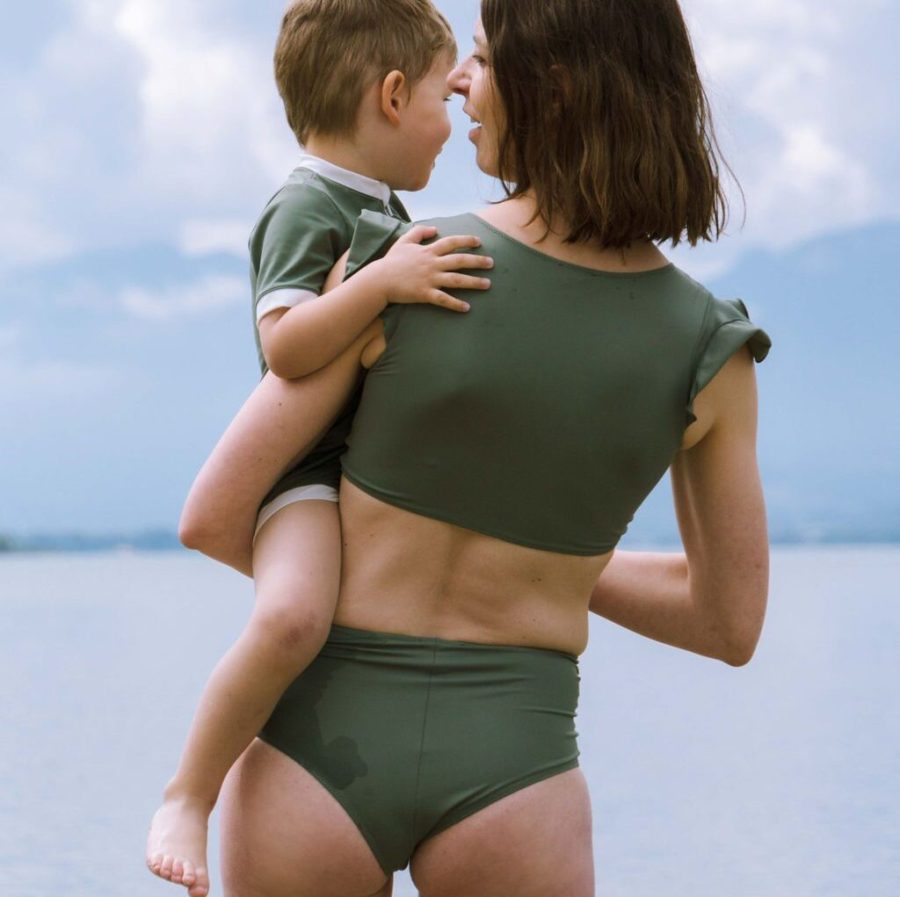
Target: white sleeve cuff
[282,299]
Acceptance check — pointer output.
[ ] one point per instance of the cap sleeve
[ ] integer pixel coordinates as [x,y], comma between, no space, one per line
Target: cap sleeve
[373,237]
[726,329]
[293,247]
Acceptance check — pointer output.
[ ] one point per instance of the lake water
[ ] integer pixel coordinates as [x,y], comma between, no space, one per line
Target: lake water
[779,779]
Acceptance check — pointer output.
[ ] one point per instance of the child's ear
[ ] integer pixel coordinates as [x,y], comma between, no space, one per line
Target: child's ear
[394,95]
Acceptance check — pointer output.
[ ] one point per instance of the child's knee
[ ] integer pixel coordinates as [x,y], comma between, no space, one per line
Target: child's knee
[293,629]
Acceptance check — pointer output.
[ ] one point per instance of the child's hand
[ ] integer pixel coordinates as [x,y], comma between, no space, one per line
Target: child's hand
[416,273]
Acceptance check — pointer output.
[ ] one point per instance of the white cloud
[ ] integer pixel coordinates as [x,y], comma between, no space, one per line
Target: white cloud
[158,120]
[59,379]
[27,383]
[207,98]
[208,294]
[810,159]
[132,116]
[27,379]
[10,337]
[779,72]
[203,237]
[28,235]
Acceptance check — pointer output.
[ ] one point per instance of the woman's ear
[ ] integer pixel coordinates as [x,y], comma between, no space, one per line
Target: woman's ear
[394,95]
[561,79]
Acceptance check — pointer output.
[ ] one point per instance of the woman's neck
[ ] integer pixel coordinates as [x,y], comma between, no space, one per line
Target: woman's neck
[516,217]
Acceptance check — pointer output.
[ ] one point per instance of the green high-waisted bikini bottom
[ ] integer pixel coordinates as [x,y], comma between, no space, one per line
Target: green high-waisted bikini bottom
[412,735]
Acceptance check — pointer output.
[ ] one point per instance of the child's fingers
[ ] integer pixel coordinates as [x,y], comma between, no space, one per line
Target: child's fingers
[463,261]
[455,281]
[417,234]
[455,243]
[444,300]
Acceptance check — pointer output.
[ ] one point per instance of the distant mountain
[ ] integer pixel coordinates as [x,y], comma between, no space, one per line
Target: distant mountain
[118,371]
[830,420]
[829,390]
[151,540]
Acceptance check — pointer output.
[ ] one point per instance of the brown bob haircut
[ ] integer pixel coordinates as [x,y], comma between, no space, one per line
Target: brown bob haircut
[606,119]
[330,51]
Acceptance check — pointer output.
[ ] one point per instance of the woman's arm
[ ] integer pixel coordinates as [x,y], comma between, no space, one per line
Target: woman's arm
[280,422]
[277,425]
[712,599]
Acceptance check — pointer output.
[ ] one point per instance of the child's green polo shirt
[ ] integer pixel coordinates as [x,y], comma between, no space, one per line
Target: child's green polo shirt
[303,230]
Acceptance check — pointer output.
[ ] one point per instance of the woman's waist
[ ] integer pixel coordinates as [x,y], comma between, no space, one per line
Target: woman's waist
[434,652]
[418,591]
[385,614]
[418,576]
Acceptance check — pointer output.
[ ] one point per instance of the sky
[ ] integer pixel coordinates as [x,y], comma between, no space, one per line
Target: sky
[137,120]
[136,123]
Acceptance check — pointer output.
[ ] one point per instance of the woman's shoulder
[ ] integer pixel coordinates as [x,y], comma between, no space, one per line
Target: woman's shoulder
[375,233]
[726,328]
[454,224]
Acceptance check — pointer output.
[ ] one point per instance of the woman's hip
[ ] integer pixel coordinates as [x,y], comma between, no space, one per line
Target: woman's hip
[414,734]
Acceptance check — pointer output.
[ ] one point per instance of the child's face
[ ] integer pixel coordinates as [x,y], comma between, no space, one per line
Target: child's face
[427,125]
[472,80]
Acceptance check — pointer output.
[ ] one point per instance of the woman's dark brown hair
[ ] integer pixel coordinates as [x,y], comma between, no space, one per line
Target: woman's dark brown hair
[606,119]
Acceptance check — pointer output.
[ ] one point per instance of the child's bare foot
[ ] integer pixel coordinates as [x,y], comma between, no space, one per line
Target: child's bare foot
[176,845]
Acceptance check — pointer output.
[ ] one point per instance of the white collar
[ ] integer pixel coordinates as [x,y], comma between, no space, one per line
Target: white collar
[347,178]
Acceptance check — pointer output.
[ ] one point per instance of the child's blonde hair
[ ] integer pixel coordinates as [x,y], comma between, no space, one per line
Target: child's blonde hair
[329,51]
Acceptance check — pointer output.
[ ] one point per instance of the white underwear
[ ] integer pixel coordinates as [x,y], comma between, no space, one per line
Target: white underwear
[313,492]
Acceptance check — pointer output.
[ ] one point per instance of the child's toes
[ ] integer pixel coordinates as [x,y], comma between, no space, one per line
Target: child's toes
[188,876]
[154,863]
[165,870]
[200,888]
[177,871]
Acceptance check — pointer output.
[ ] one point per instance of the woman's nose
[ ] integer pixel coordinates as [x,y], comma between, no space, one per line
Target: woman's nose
[458,80]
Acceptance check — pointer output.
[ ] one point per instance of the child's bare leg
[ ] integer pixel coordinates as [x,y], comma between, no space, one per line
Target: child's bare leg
[296,561]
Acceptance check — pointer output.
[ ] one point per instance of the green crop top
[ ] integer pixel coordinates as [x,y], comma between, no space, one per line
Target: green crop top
[546,414]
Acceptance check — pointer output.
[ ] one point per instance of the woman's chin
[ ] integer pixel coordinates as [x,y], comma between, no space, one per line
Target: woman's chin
[487,166]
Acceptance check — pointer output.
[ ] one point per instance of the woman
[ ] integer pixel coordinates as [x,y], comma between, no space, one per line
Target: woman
[495,462]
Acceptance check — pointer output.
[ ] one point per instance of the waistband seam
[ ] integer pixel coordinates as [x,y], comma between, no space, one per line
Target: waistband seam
[429,641]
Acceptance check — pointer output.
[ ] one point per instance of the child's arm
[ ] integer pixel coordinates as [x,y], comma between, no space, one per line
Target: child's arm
[277,425]
[300,340]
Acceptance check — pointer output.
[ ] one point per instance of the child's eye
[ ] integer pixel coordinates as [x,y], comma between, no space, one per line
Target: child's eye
[478,60]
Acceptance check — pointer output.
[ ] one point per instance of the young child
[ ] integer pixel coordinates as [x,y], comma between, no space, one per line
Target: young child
[364,88]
